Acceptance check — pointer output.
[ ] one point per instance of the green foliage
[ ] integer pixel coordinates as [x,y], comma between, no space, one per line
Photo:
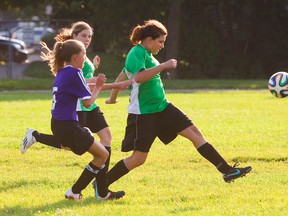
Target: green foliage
[244,126]
[217,39]
[215,84]
[49,40]
[38,69]
[25,84]
[111,65]
[46,84]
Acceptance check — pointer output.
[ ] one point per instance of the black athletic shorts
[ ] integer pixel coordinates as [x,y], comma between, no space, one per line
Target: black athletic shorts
[141,130]
[93,119]
[71,134]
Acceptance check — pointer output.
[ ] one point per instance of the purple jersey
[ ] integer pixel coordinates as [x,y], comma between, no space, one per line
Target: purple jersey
[69,85]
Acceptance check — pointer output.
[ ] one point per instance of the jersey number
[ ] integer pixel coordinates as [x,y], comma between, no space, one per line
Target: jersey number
[55,89]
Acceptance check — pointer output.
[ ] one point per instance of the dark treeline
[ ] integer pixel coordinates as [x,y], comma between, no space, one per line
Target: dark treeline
[237,39]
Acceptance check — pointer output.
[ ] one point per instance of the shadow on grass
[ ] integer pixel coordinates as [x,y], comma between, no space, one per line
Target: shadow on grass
[14,185]
[54,207]
[262,159]
[47,208]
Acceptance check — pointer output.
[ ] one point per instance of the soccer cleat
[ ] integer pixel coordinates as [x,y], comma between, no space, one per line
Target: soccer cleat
[70,195]
[235,173]
[28,140]
[110,196]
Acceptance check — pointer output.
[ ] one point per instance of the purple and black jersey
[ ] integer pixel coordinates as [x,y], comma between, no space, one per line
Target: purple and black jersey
[69,85]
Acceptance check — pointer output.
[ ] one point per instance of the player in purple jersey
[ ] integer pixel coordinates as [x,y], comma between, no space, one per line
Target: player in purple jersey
[91,117]
[69,85]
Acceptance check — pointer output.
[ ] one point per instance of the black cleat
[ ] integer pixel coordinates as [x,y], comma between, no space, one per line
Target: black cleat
[115,195]
[235,173]
[110,196]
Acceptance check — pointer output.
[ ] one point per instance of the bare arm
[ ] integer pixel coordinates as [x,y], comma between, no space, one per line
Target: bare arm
[100,80]
[151,72]
[117,85]
[114,93]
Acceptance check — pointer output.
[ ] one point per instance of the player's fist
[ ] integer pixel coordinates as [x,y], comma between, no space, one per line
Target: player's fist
[101,79]
[170,64]
[109,101]
[96,61]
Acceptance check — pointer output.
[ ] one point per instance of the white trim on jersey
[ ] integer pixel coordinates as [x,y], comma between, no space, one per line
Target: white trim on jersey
[80,74]
[134,106]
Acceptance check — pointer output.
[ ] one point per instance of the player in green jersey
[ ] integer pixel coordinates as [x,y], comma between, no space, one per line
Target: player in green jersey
[150,114]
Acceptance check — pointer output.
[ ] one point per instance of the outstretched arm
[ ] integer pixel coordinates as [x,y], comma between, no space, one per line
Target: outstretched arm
[114,93]
[117,85]
[99,82]
[151,72]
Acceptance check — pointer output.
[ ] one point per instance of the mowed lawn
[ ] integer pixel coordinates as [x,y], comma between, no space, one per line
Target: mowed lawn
[245,126]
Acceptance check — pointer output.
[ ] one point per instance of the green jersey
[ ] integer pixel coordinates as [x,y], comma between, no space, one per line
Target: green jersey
[88,72]
[149,96]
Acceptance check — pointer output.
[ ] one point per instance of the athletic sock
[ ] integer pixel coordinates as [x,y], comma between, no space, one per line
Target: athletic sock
[117,172]
[85,178]
[47,139]
[108,148]
[102,183]
[210,153]
[107,163]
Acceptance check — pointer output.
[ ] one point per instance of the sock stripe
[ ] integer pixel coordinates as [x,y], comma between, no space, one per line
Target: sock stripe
[88,167]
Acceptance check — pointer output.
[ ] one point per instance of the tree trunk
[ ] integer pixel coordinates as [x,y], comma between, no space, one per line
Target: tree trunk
[172,42]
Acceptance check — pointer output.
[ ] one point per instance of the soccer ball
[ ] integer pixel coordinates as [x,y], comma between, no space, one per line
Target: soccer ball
[278,84]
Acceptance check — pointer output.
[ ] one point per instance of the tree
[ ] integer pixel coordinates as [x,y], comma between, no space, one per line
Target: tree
[210,39]
[172,43]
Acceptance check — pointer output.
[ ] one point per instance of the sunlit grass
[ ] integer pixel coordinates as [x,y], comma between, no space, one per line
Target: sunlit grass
[245,126]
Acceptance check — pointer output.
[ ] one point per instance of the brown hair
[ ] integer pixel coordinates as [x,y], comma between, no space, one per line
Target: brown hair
[76,28]
[61,53]
[151,28]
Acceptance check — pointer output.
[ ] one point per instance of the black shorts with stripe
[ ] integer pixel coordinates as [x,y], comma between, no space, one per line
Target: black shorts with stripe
[141,130]
[72,135]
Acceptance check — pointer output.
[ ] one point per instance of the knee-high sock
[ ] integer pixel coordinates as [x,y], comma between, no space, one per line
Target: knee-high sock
[107,163]
[117,172]
[47,139]
[210,153]
[86,177]
[102,183]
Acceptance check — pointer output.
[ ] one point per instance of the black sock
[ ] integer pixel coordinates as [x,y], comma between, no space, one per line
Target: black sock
[85,178]
[102,183]
[105,169]
[47,139]
[117,172]
[107,163]
[208,152]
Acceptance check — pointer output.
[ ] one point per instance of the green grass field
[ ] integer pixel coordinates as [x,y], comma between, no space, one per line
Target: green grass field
[248,126]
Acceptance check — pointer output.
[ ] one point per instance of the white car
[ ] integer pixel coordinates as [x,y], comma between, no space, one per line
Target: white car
[32,35]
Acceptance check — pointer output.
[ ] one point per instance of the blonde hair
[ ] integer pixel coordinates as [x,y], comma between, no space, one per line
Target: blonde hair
[61,54]
[76,28]
[150,28]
